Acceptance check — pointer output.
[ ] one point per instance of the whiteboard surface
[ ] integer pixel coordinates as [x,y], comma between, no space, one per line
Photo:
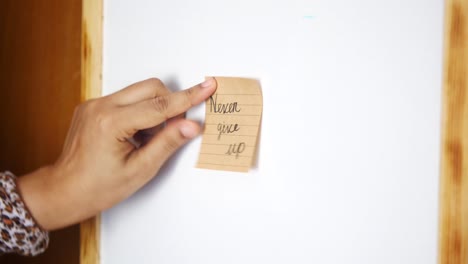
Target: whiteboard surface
[349,152]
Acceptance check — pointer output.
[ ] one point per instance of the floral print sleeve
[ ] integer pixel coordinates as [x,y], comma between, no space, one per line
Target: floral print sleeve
[19,232]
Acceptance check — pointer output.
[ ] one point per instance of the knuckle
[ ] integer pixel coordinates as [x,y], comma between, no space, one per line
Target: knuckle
[160,104]
[96,110]
[97,114]
[188,96]
[104,121]
[155,82]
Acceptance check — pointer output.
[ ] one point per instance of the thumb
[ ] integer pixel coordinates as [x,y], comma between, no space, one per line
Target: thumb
[162,146]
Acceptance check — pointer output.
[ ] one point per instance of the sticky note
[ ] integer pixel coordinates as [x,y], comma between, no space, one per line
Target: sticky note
[232,123]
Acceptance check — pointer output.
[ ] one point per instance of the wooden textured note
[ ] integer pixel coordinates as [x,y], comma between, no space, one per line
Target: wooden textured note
[232,124]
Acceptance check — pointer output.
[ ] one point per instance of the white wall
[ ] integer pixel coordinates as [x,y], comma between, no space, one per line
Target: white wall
[349,151]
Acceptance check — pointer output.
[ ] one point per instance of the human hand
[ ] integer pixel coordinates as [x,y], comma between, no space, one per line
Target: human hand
[99,167]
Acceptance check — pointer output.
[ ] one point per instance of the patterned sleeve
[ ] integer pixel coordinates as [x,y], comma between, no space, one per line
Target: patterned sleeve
[19,233]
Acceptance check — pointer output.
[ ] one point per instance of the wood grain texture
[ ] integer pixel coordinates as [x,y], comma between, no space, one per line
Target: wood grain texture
[91,81]
[453,240]
[89,241]
[91,49]
[39,89]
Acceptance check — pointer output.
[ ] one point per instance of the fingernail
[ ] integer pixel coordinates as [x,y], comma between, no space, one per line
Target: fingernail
[188,131]
[208,82]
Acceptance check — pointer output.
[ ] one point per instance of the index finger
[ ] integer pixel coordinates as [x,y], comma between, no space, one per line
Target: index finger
[139,91]
[152,112]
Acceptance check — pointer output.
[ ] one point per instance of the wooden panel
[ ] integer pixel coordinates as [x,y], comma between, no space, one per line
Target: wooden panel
[453,247]
[91,70]
[39,88]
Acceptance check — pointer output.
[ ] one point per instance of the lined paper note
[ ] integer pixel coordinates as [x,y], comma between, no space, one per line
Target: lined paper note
[232,123]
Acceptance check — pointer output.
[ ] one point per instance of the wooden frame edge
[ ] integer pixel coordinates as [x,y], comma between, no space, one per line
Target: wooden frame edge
[89,241]
[453,215]
[91,83]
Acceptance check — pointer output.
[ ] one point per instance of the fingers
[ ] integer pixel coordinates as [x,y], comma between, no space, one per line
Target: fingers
[164,144]
[139,91]
[152,112]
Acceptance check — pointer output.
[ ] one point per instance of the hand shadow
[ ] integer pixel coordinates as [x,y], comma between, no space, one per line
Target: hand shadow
[144,136]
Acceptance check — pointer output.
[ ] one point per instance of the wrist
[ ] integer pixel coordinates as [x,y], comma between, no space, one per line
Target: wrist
[51,200]
[34,189]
